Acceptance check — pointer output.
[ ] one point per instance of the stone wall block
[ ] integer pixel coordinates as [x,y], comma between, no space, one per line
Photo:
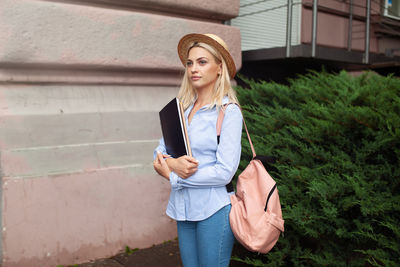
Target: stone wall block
[82,217]
[40,34]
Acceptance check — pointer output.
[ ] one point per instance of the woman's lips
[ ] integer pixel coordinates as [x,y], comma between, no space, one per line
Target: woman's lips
[195,78]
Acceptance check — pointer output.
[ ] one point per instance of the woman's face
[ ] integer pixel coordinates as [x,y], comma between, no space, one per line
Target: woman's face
[202,69]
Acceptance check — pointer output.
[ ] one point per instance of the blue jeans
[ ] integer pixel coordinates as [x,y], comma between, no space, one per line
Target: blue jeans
[206,243]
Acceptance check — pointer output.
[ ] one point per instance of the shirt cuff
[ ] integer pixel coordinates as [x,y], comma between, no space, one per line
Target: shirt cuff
[174,180]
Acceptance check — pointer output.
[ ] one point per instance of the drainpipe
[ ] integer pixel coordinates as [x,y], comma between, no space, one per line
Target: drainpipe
[350,35]
[314,28]
[289,27]
[367,24]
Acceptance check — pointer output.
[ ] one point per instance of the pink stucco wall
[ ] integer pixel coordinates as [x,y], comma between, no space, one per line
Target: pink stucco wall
[81,84]
[76,217]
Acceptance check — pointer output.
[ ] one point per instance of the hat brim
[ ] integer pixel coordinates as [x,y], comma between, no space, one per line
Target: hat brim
[187,40]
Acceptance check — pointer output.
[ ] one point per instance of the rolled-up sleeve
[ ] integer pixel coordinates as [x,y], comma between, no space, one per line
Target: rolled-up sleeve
[227,156]
[161,148]
[173,177]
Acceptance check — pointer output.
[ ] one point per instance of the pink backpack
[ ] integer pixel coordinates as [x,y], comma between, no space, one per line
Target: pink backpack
[256,215]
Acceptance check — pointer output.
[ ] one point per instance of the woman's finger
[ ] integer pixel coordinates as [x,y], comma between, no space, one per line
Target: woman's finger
[192,160]
[160,157]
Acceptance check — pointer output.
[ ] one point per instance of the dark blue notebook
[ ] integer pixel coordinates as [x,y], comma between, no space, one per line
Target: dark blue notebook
[174,130]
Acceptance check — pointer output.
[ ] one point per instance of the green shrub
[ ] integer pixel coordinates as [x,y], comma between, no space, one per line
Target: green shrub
[337,143]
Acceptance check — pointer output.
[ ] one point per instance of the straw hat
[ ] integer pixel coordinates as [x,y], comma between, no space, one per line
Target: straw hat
[210,39]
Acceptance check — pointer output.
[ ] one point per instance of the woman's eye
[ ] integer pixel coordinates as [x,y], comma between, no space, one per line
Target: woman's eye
[202,62]
[189,64]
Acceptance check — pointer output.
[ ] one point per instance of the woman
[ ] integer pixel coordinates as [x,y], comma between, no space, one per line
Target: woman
[199,200]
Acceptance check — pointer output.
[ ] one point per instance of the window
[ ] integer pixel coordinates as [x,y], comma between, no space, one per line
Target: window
[392,8]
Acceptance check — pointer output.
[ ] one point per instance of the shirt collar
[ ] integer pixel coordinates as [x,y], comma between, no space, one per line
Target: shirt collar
[225,100]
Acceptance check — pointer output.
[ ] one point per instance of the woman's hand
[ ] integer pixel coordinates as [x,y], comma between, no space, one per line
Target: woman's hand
[161,167]
[184,166]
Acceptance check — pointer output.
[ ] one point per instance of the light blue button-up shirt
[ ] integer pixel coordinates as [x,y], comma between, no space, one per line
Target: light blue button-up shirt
[204,193]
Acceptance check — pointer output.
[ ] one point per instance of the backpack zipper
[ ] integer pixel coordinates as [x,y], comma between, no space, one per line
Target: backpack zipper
[269,195]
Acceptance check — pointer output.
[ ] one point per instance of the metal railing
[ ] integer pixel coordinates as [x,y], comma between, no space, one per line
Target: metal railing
[367,27]
[315,7]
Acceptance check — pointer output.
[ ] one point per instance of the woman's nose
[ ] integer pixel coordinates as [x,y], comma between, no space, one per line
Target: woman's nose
[194,68]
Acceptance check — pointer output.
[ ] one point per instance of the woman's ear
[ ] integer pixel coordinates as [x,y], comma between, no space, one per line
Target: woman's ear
[219,68]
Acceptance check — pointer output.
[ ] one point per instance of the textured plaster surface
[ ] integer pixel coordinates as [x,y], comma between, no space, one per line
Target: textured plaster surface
[77,179]
[81,84]
[206,9]
[74,218]
[84,37]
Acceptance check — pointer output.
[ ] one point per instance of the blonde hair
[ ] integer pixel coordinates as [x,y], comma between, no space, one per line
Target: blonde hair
[187,94]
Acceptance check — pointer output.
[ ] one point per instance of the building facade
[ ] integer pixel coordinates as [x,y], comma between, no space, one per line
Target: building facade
[81,84]
[282,38]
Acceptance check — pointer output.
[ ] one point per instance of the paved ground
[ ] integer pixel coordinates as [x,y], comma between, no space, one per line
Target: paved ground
[164,255]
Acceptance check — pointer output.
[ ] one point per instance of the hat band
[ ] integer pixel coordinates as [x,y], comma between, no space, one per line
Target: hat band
[209,48]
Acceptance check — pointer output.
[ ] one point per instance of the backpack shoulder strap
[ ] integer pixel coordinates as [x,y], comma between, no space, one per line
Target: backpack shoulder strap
[221,115]
[220,119]
[219,126]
